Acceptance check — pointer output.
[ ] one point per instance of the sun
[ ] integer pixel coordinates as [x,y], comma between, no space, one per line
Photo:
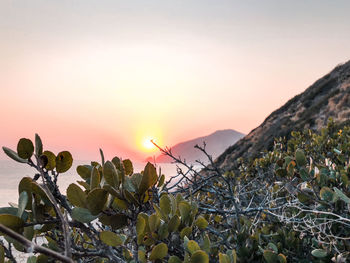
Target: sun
[147,144]
[144,137]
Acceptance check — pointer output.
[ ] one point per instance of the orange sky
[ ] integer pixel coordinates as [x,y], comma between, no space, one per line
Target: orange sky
[110,74]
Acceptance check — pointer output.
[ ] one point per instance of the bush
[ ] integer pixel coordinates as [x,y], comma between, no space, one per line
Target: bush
[291,204]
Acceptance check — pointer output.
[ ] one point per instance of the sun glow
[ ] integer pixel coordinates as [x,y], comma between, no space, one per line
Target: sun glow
[147,144]
[145,134]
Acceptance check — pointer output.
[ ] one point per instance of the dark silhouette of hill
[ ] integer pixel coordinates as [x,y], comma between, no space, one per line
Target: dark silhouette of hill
[328,97]
[216,143]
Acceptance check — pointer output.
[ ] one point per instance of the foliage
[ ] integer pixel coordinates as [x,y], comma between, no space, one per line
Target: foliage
[290,204]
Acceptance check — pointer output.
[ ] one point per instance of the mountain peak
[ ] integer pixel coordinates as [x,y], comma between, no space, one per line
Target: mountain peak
[328,97]
[216,143]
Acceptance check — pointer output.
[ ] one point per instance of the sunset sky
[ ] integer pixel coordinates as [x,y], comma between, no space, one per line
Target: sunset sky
[88,74]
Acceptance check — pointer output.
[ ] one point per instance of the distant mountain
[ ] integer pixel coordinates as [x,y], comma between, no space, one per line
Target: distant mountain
[216,143]
[327,97]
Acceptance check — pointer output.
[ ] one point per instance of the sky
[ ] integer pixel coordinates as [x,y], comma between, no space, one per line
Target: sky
[113,74]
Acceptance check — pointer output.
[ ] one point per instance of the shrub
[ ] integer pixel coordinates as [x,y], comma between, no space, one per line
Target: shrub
[290,204]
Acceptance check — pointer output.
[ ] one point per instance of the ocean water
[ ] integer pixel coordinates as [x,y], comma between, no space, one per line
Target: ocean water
[12,172]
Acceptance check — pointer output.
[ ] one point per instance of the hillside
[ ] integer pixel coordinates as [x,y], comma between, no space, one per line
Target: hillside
[327,97]
[216,143]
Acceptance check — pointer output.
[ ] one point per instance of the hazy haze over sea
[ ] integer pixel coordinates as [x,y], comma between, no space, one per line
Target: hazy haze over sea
[12,172]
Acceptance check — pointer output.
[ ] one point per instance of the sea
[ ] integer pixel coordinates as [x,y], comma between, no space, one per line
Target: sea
[12,172]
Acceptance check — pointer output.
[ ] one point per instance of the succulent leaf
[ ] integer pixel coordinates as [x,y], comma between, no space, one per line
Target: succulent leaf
[25,148]
[64,161]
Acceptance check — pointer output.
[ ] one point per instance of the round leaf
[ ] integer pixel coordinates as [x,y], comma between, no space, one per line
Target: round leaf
[159,251]
[25,148]
[96,200]
[111,239]
[192,246]
[185,210]
[84,171]
[48,160]
[64,162]
[201,222]
[200,257]
[165,204]
[76,195]
[153,222]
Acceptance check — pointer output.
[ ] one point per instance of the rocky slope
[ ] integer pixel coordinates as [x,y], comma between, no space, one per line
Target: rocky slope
[216,143]
[327,97]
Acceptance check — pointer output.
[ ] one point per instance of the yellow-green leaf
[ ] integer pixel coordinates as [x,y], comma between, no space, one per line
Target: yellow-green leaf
[141,256]
[153,222]
[94,179]
[165,204]
[76,196]
[149,178]
[117,163]
[161,180]
[140,225]
[25,148]
[186,231]
[174,259]
[192,246]
[64,161]
[300,157]
[84,171]
[159,251]
[48,160]
[120,204]
[185,210]
[11,221]
[200,257]
[96,200]
[129,169]
[110,174]
[223,258]
[174,223]
[111,239]
[201,222]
